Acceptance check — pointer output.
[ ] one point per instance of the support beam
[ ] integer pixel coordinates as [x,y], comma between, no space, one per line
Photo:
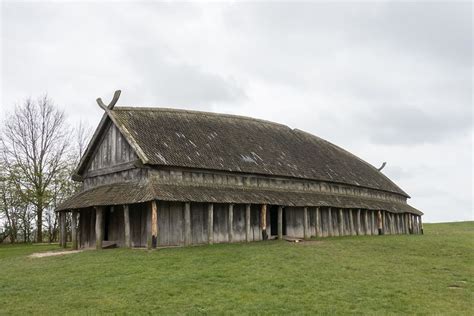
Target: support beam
[330,225]
[368,229]
[421,224]
[149,237]
[351,222]
[359,223]
[379,223]
[126,225]
[341,223]
[210,223]
[410,223]
[374,229]
[305,223]
[154,224]
[62,229]
[280,222]
[99,227]
[230,229]
[247,222]
[318,223]
[187,223]
[263,221]
[74,230]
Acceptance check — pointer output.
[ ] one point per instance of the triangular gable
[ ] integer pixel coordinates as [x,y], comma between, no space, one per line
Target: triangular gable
[108,147]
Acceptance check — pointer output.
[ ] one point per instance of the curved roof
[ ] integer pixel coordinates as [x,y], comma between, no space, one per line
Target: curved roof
[203,140]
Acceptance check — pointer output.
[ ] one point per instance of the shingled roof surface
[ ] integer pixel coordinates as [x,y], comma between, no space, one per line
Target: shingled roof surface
[205,140]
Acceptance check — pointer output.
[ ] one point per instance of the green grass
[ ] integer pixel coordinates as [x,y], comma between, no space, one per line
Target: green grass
[429,274]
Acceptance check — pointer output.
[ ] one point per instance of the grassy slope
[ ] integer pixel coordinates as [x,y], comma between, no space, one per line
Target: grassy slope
[386,274]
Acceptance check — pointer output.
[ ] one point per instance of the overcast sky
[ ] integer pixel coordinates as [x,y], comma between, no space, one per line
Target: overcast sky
[387,81]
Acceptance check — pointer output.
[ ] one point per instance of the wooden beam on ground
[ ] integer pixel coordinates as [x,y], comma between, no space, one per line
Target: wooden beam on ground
[280,222]
[305,223]
[154,224]
[318,223]
[263,221]
[230,229]
[210,223]
[247,222]
[126,226]
[74,230]
[99,227]
[187,223]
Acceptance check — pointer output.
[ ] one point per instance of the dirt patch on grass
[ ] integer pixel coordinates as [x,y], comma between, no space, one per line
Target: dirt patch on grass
[53,253]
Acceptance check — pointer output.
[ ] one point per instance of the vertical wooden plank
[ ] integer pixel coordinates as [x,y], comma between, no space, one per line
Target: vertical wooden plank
[305,223]
[230,222]
[359,230]
[280,222]
[126,224]
[263,221]
[99,227]
[374,227]
[210,223]
[330,224]
[247,222]
[148,226]
[351,222]
[368,230]
[318,223]
[154,224]
[421,224]
[341,222]
[74,230]
[187,223]
[379,223]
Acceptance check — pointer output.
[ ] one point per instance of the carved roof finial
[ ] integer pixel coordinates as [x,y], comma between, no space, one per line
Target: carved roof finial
[111,104]
[382,166]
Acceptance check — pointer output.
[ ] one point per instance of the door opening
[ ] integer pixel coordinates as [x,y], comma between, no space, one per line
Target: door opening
[274,221]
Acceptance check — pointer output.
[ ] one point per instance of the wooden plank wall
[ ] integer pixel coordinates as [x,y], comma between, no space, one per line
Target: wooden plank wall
[112,149]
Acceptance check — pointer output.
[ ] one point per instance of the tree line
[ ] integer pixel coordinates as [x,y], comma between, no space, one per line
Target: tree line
[39,150]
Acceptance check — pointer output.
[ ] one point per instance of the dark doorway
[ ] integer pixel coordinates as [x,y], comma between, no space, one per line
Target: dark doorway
[274,221]
[106,223]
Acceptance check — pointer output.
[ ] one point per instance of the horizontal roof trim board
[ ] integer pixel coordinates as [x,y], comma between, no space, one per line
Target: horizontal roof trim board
[222,142]
[139,192]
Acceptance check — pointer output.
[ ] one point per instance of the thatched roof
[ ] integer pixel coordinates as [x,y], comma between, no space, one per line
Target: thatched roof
[136,192]
[169,137]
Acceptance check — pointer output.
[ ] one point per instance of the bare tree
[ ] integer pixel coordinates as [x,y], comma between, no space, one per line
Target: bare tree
[34,143]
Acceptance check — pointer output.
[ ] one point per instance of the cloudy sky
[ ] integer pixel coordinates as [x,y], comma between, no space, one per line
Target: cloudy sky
[387,81]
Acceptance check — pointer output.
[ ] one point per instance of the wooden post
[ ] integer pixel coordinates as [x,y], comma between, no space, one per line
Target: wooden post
[263,221]
[74,230]
[421,224]
[99,227]
[62,229]
[126,224]
[148,227]
[410,223]
[280,222]
[392,223]
[318,223]
[374,229]
[359,230]
[407,223]
[330,228]
[351,222]
[187,223]
[415,224]
[305,223]
[154,224]
[341,223]
[210,223]
[379,223]
[230,229]
[368,229]
[247,222]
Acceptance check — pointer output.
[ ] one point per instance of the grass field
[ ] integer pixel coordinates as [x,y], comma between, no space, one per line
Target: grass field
[429,274]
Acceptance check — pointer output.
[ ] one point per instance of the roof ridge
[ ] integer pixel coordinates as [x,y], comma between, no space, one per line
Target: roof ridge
[197,112]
